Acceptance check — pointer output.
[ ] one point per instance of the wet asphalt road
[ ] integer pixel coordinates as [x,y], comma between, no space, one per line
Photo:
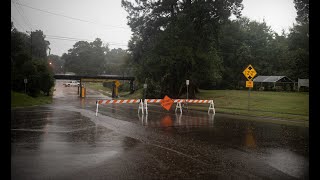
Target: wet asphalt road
[65,140]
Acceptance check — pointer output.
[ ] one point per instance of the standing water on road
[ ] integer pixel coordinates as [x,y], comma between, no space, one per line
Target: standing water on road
[65,140]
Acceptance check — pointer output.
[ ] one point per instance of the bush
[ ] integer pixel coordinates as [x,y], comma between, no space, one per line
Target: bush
[39,77]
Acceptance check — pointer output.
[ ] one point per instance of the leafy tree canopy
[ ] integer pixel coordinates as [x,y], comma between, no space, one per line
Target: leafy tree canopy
[86,58]
[176,40]
[28,61]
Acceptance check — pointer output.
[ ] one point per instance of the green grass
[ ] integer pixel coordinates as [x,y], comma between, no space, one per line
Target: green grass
[284,105]
[136,95]
[99,87]
[288,105]
[23,100]
[108,91]
[292,106]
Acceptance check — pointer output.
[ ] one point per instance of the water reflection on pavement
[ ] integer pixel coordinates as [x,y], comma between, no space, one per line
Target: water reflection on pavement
[65,140]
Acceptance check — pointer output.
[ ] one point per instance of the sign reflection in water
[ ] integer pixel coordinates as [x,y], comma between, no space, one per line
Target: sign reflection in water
[250,140]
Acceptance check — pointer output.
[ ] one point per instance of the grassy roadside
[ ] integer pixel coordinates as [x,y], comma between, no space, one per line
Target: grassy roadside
[287,105]
[99,87]
[292,106]
[23,100]
[106,91]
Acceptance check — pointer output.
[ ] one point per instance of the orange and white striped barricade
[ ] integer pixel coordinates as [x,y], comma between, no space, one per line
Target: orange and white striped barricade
[146,101]
[179,101]
[144,105]
[123,101]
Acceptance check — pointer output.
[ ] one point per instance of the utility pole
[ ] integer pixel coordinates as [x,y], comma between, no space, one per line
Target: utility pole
[31,45]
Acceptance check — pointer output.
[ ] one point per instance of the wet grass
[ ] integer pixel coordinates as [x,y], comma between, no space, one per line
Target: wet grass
[136,95]
[23,100]
[105,90]
[99,87]
[288,105]
[284,105]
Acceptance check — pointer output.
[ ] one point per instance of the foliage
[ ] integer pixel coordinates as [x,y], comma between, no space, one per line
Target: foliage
[86,58]
[302,7]
[56,64]
[28,61]
[117,62]
[39,45]
[244,42]
[177,40]
[299,41]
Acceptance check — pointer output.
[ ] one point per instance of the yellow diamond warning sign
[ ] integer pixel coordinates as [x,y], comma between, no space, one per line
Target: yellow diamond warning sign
[249,72]
[117,83]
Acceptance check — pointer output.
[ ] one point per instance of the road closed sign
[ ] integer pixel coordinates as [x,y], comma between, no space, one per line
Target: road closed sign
[249,84]
[166,103]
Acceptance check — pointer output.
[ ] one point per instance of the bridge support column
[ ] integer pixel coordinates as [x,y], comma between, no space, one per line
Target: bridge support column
[131,87]
[79,88]
[113,90]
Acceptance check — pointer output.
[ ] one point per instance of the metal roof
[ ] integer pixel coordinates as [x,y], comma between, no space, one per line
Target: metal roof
[271,79]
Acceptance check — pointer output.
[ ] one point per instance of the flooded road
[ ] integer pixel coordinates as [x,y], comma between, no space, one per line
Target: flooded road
[65,140]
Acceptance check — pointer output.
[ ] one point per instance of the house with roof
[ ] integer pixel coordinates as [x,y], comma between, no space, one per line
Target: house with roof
[278,83]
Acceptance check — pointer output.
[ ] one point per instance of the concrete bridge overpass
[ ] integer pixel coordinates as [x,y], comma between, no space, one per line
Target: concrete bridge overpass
[98,78]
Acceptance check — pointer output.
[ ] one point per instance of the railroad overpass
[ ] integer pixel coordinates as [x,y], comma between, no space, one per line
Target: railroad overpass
[98,78]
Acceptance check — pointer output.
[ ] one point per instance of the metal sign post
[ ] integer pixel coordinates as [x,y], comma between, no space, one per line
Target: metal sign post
[117,84]
[144,91]
[25,85]
[187,83]
[249,99]
[249,73]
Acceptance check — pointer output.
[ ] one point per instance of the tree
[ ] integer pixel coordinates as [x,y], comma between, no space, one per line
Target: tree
[39,45]
[85,58]
[244,42]
[299,42]
[177,40]
[35,69]
[116,62]
[56,64]
[302,7]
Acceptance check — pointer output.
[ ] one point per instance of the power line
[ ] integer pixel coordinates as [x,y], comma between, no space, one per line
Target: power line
[73,18]
[77,39]
[24,14]
[72,38]
[27,25]
[69,38]
[16,22]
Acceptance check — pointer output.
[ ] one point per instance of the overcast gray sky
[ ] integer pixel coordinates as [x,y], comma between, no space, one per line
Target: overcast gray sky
[64,22]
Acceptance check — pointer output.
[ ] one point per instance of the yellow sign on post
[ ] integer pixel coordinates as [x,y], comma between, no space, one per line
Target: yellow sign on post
[249,72]
[249,84]
[117,83]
